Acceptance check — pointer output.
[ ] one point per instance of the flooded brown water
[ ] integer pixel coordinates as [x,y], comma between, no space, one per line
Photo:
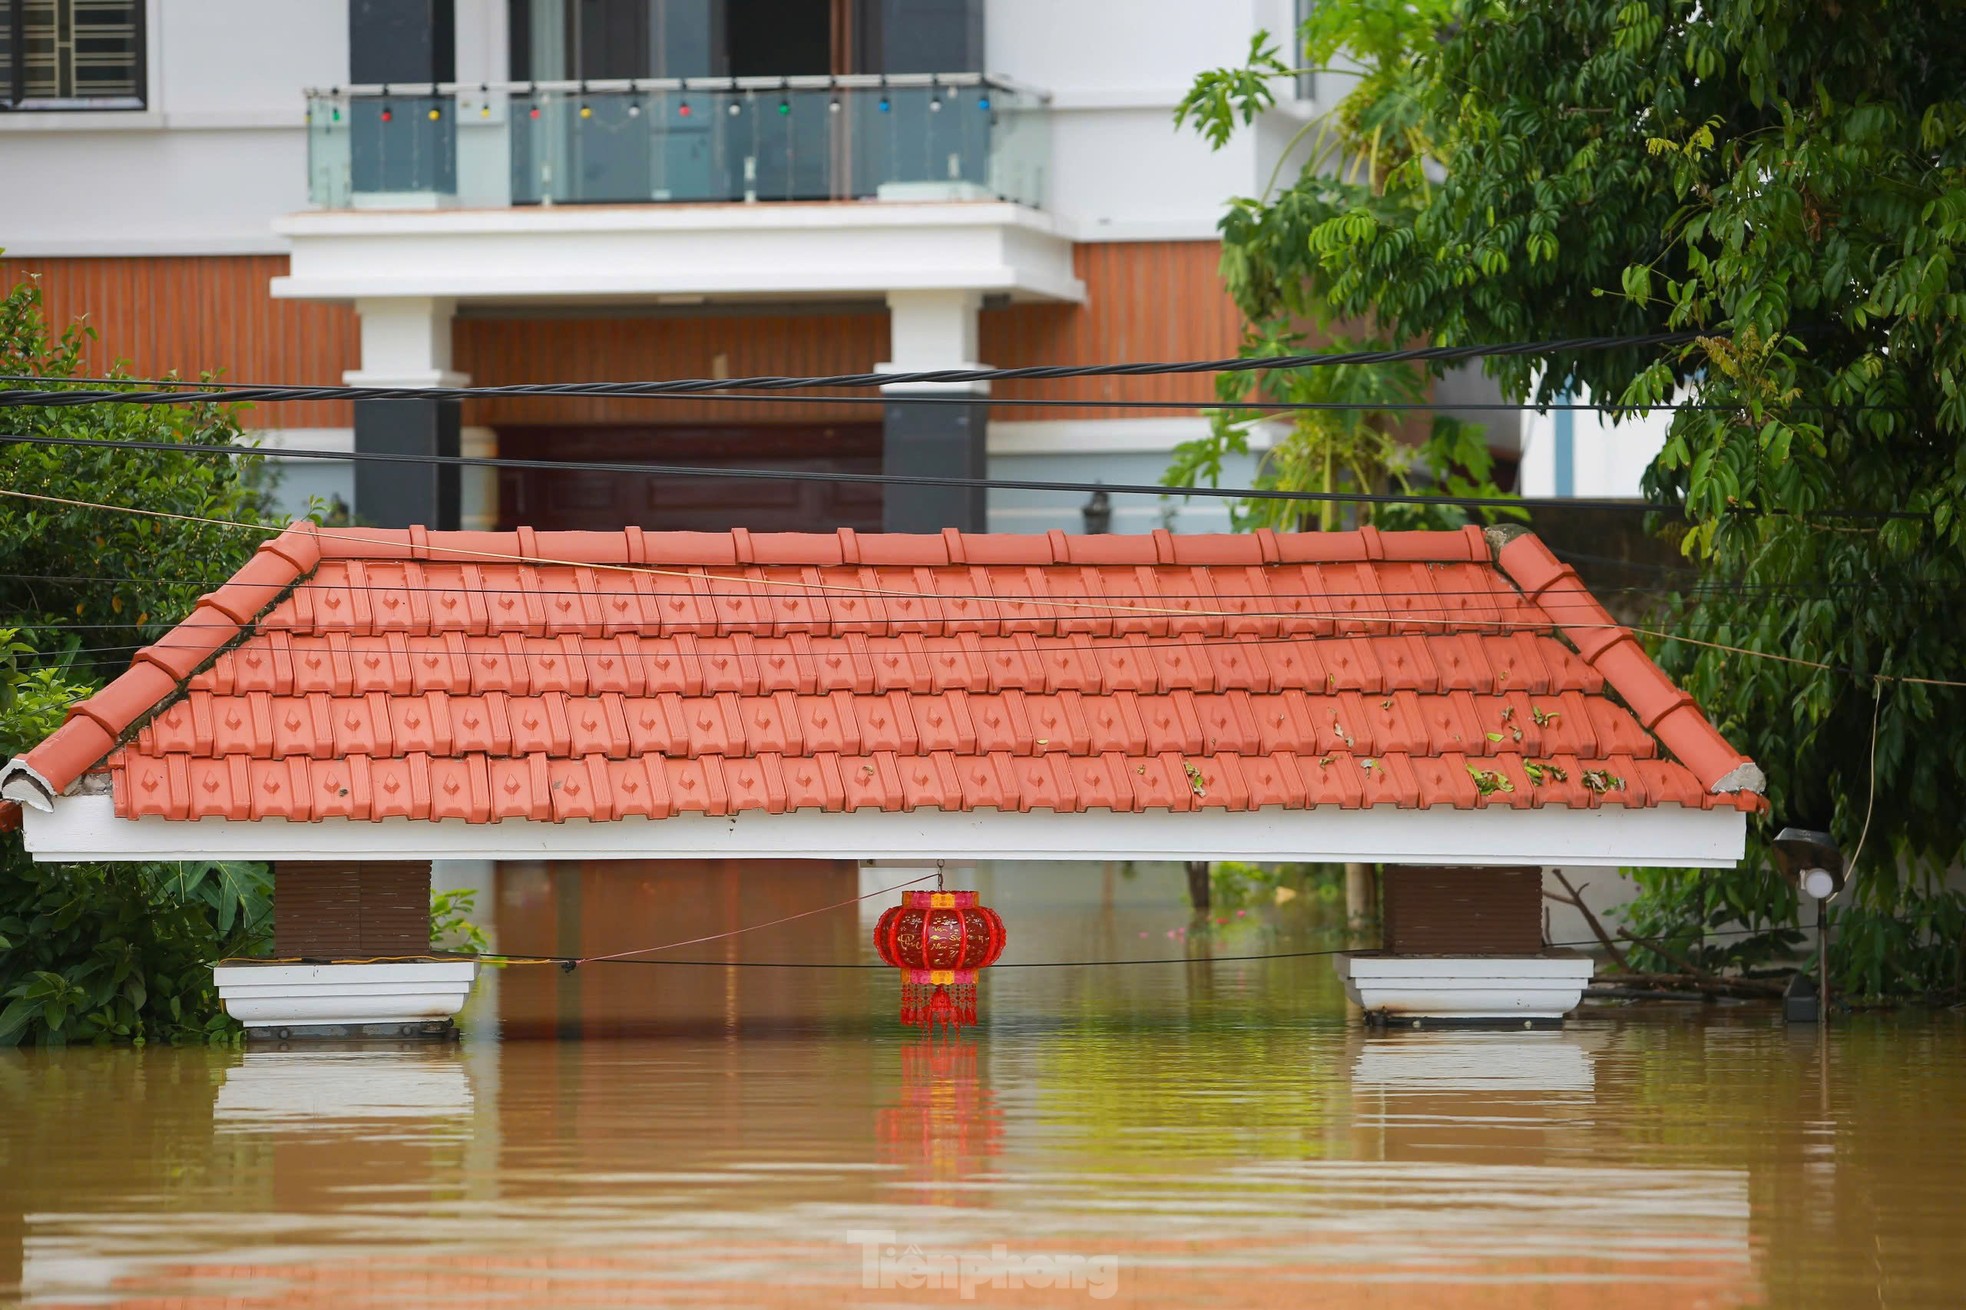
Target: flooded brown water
[1196,1134]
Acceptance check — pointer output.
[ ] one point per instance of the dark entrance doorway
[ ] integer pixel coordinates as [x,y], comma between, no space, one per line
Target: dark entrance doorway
[571,500]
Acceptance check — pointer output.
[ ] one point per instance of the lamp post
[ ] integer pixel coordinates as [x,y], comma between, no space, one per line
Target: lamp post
[1811,860]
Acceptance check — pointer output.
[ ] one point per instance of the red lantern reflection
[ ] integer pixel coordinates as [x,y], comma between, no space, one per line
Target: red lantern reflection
[946,1126]
[939,940]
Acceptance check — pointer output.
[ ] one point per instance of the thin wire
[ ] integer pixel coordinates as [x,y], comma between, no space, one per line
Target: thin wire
[1033,402]
[692,574]
[564,960]
[1876,706]
[202,392]
[1157,490]
[773,923]
[1052,601]
[1799,587]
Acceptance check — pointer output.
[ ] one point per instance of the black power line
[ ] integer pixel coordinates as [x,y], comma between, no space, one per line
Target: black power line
[202,392]
[1034,402]
[905,479]
[815,475]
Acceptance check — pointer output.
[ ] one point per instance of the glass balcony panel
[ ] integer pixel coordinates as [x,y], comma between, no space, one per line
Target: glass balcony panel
[1020,145]
[402,146]
[484,149]
[526,145]
[328,152]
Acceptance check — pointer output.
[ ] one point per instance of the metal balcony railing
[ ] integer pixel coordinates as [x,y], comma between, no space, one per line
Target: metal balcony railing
[954,137]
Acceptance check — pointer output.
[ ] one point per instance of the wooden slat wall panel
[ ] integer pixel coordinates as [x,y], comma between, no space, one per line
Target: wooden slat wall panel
[204,313]
[395,908]
[1463,911]
[502,351]
[1145,300]
[355,910]
[317,911]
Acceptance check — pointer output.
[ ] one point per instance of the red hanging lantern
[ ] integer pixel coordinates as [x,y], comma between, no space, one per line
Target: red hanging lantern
[939,940]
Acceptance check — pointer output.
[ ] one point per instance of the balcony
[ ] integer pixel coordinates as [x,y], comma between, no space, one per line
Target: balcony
[958,137]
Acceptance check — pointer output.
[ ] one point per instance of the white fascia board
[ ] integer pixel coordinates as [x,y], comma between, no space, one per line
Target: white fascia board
[627,253]
[1112,436]
[335,440]
[1117,436]
[86,828]
[1200,227]
[134,246]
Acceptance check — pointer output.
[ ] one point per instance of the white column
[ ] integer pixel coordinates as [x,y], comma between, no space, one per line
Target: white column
[406,342]
[932,330]
[477,484]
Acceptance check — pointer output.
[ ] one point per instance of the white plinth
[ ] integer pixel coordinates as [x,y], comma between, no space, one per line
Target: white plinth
[344,995]
[1546,986]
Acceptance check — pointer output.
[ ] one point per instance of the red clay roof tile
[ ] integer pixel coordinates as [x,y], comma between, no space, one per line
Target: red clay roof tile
[435,676]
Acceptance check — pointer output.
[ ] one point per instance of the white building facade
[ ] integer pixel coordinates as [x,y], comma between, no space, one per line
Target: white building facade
[497,191]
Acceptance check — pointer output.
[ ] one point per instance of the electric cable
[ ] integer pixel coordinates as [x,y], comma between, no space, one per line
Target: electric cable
[628,957]
[1098,402]
[1054,402]
[1056,602]
[204,391]
[1157,490]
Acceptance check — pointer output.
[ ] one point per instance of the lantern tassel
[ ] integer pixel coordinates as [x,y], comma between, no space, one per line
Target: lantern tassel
[938,1005]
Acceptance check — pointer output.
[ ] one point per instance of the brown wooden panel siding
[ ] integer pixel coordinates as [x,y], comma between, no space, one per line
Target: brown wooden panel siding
[203,313]
[501,351]
[317,911]
[1145,300]
[1453,911]
[356,910]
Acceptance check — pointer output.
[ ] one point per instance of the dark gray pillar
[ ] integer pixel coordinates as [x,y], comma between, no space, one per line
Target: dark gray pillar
[402,41]
[402,142]
[936,440]
[389,494]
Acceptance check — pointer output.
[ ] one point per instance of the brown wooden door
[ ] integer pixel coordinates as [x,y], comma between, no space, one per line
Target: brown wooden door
[587,500]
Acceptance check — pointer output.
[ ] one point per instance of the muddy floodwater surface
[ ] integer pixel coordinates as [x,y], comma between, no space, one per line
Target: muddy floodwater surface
[1210,1133]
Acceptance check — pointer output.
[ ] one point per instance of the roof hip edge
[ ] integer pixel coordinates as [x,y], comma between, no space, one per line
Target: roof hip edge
[740,548]
[1662,707]
[156,675]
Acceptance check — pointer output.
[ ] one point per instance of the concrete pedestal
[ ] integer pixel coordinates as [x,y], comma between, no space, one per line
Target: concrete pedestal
[1482,989]
[403,999]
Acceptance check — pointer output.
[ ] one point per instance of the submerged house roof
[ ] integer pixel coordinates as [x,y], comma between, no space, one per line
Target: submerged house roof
[495,682]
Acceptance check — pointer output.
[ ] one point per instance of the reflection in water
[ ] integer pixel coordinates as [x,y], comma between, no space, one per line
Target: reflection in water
[313,1087]
[1444,1060]
[1218,1129]
[1476,1134]
[945,1126]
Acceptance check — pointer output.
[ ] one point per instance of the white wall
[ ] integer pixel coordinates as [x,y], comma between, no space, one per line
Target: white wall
[1116,69]
[1606,459]
[221,150]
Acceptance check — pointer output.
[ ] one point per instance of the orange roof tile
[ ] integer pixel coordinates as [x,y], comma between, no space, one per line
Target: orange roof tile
[535,675]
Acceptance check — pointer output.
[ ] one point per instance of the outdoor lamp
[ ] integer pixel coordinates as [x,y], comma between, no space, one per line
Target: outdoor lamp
[1811,861]
[1098,513]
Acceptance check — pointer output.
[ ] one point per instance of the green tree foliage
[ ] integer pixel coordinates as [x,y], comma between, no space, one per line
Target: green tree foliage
[105,952]
[1787,180]
[117,580]
[452,928]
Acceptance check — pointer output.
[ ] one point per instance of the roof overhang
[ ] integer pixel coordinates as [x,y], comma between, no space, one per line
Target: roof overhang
[598,254]
[85,827]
